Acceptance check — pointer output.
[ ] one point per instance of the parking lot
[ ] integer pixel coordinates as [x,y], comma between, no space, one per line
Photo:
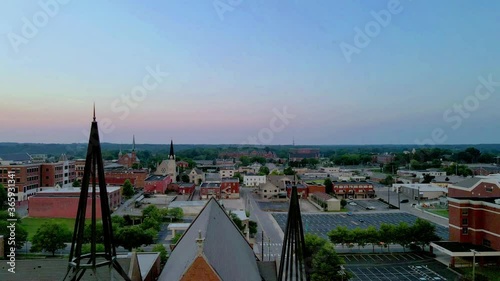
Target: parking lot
[403,266]
[362,205]
[321,224]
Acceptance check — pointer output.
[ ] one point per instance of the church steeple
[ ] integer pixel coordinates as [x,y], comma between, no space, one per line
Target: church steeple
[133,143]
[171,155]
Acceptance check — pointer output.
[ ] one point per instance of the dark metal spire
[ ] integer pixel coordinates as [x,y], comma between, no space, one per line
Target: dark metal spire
[133,142]
[292,265]
[78,262]
[94,111]
[171,154]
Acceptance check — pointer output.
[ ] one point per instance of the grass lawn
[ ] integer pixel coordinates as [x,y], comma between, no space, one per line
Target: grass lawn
[32,224]
[439,212]
[493,273]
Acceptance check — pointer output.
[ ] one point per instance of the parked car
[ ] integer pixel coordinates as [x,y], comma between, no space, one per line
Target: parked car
[404,201]
[353,204]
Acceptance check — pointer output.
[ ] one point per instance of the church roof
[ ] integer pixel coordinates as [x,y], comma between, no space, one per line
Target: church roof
[224,247]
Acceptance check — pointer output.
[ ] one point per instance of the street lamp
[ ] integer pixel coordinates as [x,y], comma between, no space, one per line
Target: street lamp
[473,264]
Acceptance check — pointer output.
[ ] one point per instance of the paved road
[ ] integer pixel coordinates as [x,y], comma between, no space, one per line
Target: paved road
[273,236]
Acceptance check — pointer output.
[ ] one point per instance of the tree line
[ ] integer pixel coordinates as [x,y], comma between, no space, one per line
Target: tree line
[421,233]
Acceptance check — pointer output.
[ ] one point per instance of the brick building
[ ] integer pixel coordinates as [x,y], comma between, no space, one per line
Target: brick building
[56,202]
[474,212]
[27,178]
[353,190]
[118,177]
[182,188]
[228,188]
[157,184]
[297,154]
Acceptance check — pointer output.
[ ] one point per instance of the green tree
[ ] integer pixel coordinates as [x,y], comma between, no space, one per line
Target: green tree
[99,247]
[149,222]
[3,196]
[428,178]
[99,234]
[76,183]
[328,185]
[264,171]
[327,265]
[252,225]
[245,160]
[176,213]
[386,234]
[20,231]
[359,236]
[372,236]
[237,221]
[343,203]
[289,171]
[276,173]
[153,212]
[185,178]
[50,237]
[133,237]
[238,176]
[163,252]
[424,232]
[118,221]
[176,238]
[403,235]
[313,244]
[339,235]
[128,189]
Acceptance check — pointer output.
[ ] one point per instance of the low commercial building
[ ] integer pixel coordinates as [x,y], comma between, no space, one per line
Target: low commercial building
[353,190]
[57,202]
[268,191]
[157,184]
[253,180]
[426,191]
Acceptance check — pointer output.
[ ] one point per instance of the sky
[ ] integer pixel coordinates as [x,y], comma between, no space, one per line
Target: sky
[251,71]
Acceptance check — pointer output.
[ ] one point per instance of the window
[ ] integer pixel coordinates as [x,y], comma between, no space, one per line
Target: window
[487,243]
[465,212]
[465,230]
[465,221]
[489,189]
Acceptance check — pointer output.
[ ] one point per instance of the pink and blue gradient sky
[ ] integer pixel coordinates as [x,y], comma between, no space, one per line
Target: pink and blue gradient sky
[226,76]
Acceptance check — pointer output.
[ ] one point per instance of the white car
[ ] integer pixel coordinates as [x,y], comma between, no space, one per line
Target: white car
[353,204]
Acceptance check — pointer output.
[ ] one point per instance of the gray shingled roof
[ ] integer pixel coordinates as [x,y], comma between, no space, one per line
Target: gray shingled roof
[225,248]
[51,269]
[468,183]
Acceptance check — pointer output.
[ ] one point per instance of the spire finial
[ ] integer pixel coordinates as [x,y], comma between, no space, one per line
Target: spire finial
[94,111]
[171,154]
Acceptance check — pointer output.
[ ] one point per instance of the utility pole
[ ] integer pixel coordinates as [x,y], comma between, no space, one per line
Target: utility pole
[473,265]
[262,245]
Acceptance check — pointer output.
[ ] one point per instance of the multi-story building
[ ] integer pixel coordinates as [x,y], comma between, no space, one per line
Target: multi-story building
[227,188]
[118,177]
[297,154]
[253,180]
[79,167]
[230,188]
[474,212]
[227,172]
[196,176]
[353,190]
[383,158]
[210,189]
[27,177]
[157,184]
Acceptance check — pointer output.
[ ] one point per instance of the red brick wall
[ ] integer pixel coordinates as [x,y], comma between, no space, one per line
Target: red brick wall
[62,207]
[200,270]
[157,186]
[478,191]
[315,188]
[479,219]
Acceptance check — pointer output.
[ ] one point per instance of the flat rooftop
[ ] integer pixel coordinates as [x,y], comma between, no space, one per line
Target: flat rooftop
[63,190]
[155,178]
